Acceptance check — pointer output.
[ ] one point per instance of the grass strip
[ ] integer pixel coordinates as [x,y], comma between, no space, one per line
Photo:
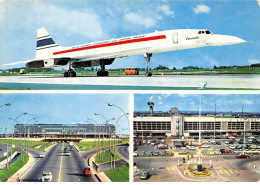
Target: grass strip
[105,156]
[120,174]
[6,173]
[90,145]
[9,153]
[22,142]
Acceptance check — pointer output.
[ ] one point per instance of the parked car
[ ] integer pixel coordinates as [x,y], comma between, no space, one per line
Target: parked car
[149,154]
[218,143]
[217,151]
[223,151]
[205,146]
[164,153]
[232,147]
[156,153]
[251,137]
[231,137]
[46,176]
[226,142]
[144,175]
[229,151]
[243,156]
[87,171]
[135,154]
[142,154]
[162,146]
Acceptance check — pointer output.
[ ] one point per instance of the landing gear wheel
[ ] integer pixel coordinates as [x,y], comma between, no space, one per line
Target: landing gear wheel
[148,74]
[102,73]
[66,74]
[72,74]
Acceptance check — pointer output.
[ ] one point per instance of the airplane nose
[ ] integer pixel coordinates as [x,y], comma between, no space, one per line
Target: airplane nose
[235,40]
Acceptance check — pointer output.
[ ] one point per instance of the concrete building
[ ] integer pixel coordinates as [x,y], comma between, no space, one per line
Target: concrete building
[63,130]
[177,124]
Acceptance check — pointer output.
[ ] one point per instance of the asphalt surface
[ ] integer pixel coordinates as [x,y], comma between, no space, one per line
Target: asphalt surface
[63,168]
[123,151]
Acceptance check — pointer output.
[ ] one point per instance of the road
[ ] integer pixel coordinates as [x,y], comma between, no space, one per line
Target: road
[63,168]
[123,151]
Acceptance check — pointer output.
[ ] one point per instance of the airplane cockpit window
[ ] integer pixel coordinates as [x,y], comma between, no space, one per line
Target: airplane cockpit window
[205,32]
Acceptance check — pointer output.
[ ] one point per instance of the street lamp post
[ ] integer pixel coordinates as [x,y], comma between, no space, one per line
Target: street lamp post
[199,166]
[25,113]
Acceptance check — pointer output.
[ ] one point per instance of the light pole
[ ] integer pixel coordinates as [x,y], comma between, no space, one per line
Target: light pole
[25,113]
[245,118]
[199,166]
[109,104]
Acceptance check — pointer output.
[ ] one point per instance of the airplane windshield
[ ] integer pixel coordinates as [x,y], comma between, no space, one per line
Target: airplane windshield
[204,32]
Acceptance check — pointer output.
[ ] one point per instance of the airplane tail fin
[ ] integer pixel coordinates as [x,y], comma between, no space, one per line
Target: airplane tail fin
[45,44]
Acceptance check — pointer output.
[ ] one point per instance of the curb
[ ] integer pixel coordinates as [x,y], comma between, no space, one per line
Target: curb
[22,170]
[50,147]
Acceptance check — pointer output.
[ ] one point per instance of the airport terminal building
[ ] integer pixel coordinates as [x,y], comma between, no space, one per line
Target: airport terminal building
[176,124]
[63,130]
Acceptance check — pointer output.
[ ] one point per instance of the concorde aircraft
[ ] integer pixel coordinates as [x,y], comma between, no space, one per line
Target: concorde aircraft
[50,54]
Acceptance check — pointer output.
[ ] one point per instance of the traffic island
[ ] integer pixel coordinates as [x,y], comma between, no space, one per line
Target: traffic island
[197,173]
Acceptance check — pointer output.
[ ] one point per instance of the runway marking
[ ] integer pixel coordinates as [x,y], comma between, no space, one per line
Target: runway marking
[226,172]
[231,172]
[61,163]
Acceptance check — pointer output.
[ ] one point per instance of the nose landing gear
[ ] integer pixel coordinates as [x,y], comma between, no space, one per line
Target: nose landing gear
[147,57]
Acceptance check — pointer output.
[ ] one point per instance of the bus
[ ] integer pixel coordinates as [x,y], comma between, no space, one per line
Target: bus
[131,71]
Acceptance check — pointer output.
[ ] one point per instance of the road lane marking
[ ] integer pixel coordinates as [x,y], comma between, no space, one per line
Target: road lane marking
[236,171]
[168,168]
[231,172]
[173,168]
[61,163]
[152,169]
[221,171]
[142,170]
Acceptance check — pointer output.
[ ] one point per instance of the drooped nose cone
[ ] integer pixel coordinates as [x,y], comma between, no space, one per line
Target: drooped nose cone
[219,40]
[235,40]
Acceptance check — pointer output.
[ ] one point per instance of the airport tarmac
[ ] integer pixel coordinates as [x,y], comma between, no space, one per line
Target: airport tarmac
[175,82]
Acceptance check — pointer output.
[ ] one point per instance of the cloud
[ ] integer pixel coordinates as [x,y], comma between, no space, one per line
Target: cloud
[210,60]
[166,10]
[159,97]
[140,20]
[248,102]
[151,98]
[63,19]
[254,61]
[201,9]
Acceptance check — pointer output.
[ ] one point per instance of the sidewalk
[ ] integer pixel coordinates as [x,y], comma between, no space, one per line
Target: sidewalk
[22,170]
[101,175]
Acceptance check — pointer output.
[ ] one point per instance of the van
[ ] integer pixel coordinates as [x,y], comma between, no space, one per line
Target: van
[131,71]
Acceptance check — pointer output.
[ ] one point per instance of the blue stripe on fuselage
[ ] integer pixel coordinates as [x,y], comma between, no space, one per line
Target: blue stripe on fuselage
[45,42]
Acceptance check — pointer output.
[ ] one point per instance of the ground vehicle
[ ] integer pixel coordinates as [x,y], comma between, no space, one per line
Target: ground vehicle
[164,153]
[162,146]
[231,137]
[66,152]
[242,156]
[144,175]
[87,171]
[217,151]
[229,151]
[46,176]
[42,156]
[232,147]
[156,153]
[226,142]
[218,143]
[223,151]
[131,71]
[251,137]
[142,153]
[149,153]
[210,151]
[135,154]
[205,146]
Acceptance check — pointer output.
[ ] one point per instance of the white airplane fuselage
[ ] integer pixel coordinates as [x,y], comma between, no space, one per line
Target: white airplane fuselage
[159,41]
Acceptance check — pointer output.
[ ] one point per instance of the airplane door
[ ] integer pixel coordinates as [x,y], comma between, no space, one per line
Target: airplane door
[175,38]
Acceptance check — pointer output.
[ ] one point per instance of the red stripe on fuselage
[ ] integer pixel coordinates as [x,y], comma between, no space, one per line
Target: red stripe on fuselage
[112,44]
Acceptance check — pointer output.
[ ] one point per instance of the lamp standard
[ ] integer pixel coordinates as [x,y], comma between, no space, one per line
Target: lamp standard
[199,166]
[25,113]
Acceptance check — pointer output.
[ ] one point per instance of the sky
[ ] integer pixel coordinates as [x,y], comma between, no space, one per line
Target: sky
[64,108]
[82,21]
[191,102]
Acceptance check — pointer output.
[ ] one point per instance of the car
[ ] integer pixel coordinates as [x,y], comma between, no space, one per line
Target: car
[223,151]
[253,146]
[231,142]
[218,143]
[164,153]
[135,148]
[231,137]
[192,148]
[217,151]
[149,154]
[144,175]
[238,147]
[152,144]
[240,142]
[232,147]
[149,142]
[235,151]
[205,146]
[144,142]
[226,142]
[87,171]
[162,146]
[142,154]
[251,137]
[138,143]
[156,153]
[42,156]
[135,154]
[243,156]
[71,148]
[228,151]
[46,176]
